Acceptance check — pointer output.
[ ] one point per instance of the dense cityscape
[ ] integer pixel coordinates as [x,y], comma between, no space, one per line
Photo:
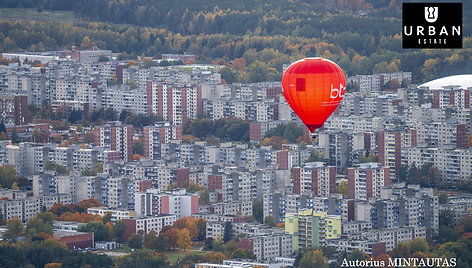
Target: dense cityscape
[154,147]
[132,142]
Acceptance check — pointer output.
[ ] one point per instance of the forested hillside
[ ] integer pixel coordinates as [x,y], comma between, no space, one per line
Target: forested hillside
[363,36]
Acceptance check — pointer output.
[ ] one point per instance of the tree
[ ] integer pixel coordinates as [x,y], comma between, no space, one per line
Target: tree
[217,245]
[46,217]
[191,187]
[413,174]
[316,156]
[38,225]
[275,141]
[14,186]
[150,240]
[14,228]
[257,210]
[7,176]
[342,188]
[459,250]
[356,255]
[368,159]
[88,203]
[184,241]
[2,220]
[446,218]
[189,139]
[466,222]
[405,83]
[135,241]
[401,250]
[53,265]
[447,234]
[392,84]
[230,246]
[14,136]
[60,169]
[106,218]
[118,230]
[214,257]
[189,223]
[418,245]
[212,141]
[98,228]
[142,259]
[37,136]
[138,147]
[204,197]
[328,252]
[201,227]
[243,254]
[172,236]
[298,258]
[3,128]
[162,242]
[98,168]
[42,253]
[313,258]
[228,232]
[402,173]
[80,217]
[269,220]
[239,64]
[290,131]
[75,116]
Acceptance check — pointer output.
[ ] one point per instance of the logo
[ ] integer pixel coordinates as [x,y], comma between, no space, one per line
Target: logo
[431,14]
[432,25]
[337,92]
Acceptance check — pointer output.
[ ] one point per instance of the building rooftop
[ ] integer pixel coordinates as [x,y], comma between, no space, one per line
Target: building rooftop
[63,233]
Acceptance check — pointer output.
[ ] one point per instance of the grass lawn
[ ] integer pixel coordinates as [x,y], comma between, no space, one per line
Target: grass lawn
[33,14]
[124,249]
[173,256]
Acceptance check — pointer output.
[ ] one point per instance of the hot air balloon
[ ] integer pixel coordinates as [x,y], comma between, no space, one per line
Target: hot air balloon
[313,87]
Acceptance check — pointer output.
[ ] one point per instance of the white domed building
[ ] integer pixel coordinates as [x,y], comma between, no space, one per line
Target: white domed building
[463,81]
[451,91]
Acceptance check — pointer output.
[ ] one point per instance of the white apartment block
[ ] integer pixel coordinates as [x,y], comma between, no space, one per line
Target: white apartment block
[120,192]
[82,90]
[243,208]
[269,246]
[124,98]
[376,82]
[367,180]
[27,208]
[147,224]
[350,227]
[174,103]
[460,205]
[392,237]
[455,164]
[178,203]
[116,214]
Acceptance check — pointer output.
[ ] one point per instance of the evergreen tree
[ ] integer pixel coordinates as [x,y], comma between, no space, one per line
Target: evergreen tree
[14,136]
[228,233]
[3,127]
[313,258]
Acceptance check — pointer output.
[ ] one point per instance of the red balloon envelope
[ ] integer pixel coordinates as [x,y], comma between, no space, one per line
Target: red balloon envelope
[313,87]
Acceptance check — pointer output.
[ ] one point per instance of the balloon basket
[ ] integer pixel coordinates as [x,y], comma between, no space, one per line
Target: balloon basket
[314,138]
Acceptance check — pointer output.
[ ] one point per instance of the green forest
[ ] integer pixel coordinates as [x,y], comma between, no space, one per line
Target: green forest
[248,36]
